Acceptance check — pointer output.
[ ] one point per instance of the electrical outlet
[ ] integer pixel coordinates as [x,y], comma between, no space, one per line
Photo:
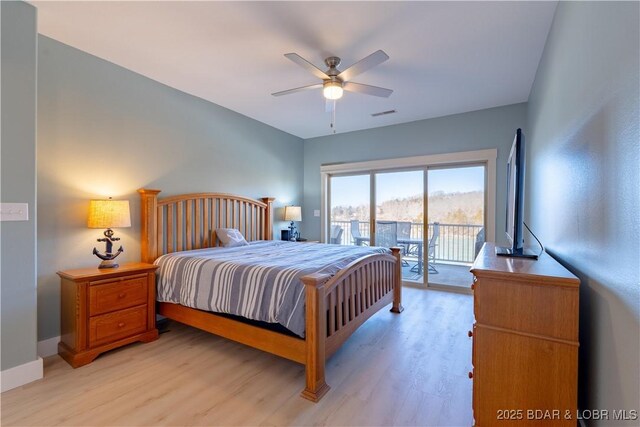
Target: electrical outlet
[14,212]
[316,212]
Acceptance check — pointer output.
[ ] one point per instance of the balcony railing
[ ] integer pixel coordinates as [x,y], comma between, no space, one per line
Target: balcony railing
[456,242]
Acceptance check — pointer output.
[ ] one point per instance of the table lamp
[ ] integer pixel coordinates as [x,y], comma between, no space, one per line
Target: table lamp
[108,214]
[293,213]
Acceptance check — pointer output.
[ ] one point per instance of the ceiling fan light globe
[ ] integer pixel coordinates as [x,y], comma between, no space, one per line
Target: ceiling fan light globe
[332,90]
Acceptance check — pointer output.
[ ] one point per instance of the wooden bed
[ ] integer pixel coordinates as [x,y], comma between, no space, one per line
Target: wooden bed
[335,306]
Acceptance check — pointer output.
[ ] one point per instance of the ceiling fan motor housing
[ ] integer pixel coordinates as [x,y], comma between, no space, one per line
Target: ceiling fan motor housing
[332,87]
[333,62]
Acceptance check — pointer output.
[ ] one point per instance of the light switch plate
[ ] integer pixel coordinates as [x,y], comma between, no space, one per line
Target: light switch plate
[14,212]
[316,212]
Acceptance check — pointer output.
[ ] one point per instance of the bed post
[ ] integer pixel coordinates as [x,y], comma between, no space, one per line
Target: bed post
[268,218]
[148,224]
[397,282]
[316,334]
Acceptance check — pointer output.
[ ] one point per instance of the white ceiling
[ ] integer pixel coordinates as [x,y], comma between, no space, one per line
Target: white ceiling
[445,57]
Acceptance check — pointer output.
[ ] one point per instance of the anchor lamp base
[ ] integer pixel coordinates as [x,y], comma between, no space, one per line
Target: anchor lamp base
[110,263]
[108,258]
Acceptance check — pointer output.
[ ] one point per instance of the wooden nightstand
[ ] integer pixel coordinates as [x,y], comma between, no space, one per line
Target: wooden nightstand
[102,309]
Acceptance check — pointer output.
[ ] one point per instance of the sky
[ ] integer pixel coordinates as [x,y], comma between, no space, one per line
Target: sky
[354,190]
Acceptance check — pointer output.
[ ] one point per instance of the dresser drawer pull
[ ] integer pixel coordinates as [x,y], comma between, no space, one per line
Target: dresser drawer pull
[470,375]
[121,325]
[470,334]
[122,295]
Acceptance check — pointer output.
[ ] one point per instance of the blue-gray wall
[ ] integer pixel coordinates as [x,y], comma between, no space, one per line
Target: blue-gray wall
[584,185]
[477,130]
[106,131]
[18,153]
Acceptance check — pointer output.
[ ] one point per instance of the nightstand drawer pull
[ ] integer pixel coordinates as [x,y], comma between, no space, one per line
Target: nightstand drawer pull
[116,295]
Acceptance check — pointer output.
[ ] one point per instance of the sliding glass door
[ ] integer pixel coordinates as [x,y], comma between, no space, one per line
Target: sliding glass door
[456,222]
[399,218]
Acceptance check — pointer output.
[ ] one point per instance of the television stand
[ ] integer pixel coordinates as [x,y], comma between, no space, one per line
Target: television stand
[518,253]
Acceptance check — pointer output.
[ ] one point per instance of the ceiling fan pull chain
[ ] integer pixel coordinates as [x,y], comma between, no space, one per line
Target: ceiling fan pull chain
[333,117]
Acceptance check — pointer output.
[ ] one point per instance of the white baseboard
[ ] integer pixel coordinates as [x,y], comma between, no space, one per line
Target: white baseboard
[48,347]
[21,375]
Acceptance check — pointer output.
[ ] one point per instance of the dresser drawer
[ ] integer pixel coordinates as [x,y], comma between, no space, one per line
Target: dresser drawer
[538,309]
[517,372]
[120,324]
[107,296]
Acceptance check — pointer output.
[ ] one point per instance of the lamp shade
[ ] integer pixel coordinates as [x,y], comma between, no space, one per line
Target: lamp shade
[109,214]
[292,213]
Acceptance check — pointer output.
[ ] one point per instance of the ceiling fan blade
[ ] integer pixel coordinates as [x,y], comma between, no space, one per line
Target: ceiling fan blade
[329,105]
[298,89]
[376,58]
[307,65]
[366,89]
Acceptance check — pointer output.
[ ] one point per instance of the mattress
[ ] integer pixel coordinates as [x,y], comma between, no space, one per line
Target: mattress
[260,281]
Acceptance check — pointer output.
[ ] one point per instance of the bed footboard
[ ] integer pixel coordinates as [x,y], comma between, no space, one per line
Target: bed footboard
[337,306]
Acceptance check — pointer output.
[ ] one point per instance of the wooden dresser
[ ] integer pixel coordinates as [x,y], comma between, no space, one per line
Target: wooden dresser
[525,341]
[102,309]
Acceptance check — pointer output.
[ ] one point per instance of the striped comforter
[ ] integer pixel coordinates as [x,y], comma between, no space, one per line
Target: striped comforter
[260,281]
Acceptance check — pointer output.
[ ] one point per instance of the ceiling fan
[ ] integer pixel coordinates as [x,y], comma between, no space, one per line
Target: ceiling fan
[334,81]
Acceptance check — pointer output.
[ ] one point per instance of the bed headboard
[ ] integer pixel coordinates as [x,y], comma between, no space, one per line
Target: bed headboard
[189,221]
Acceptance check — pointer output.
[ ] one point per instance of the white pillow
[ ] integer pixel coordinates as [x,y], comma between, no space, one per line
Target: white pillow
[231,237]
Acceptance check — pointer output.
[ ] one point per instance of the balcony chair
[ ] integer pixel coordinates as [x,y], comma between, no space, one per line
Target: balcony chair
[358,239]
[336,235]
[433,242]
[386,233]
[404,233]
[479,241]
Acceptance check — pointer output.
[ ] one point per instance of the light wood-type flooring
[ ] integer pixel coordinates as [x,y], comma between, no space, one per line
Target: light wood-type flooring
[407,369]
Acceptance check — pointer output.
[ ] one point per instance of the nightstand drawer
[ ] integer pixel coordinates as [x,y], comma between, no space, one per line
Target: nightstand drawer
[120,324]
[107,296]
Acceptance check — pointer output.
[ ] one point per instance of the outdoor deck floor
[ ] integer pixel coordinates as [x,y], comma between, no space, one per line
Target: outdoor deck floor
[448,275]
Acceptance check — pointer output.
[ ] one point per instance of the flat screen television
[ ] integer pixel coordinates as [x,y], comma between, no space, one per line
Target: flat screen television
[515,201]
